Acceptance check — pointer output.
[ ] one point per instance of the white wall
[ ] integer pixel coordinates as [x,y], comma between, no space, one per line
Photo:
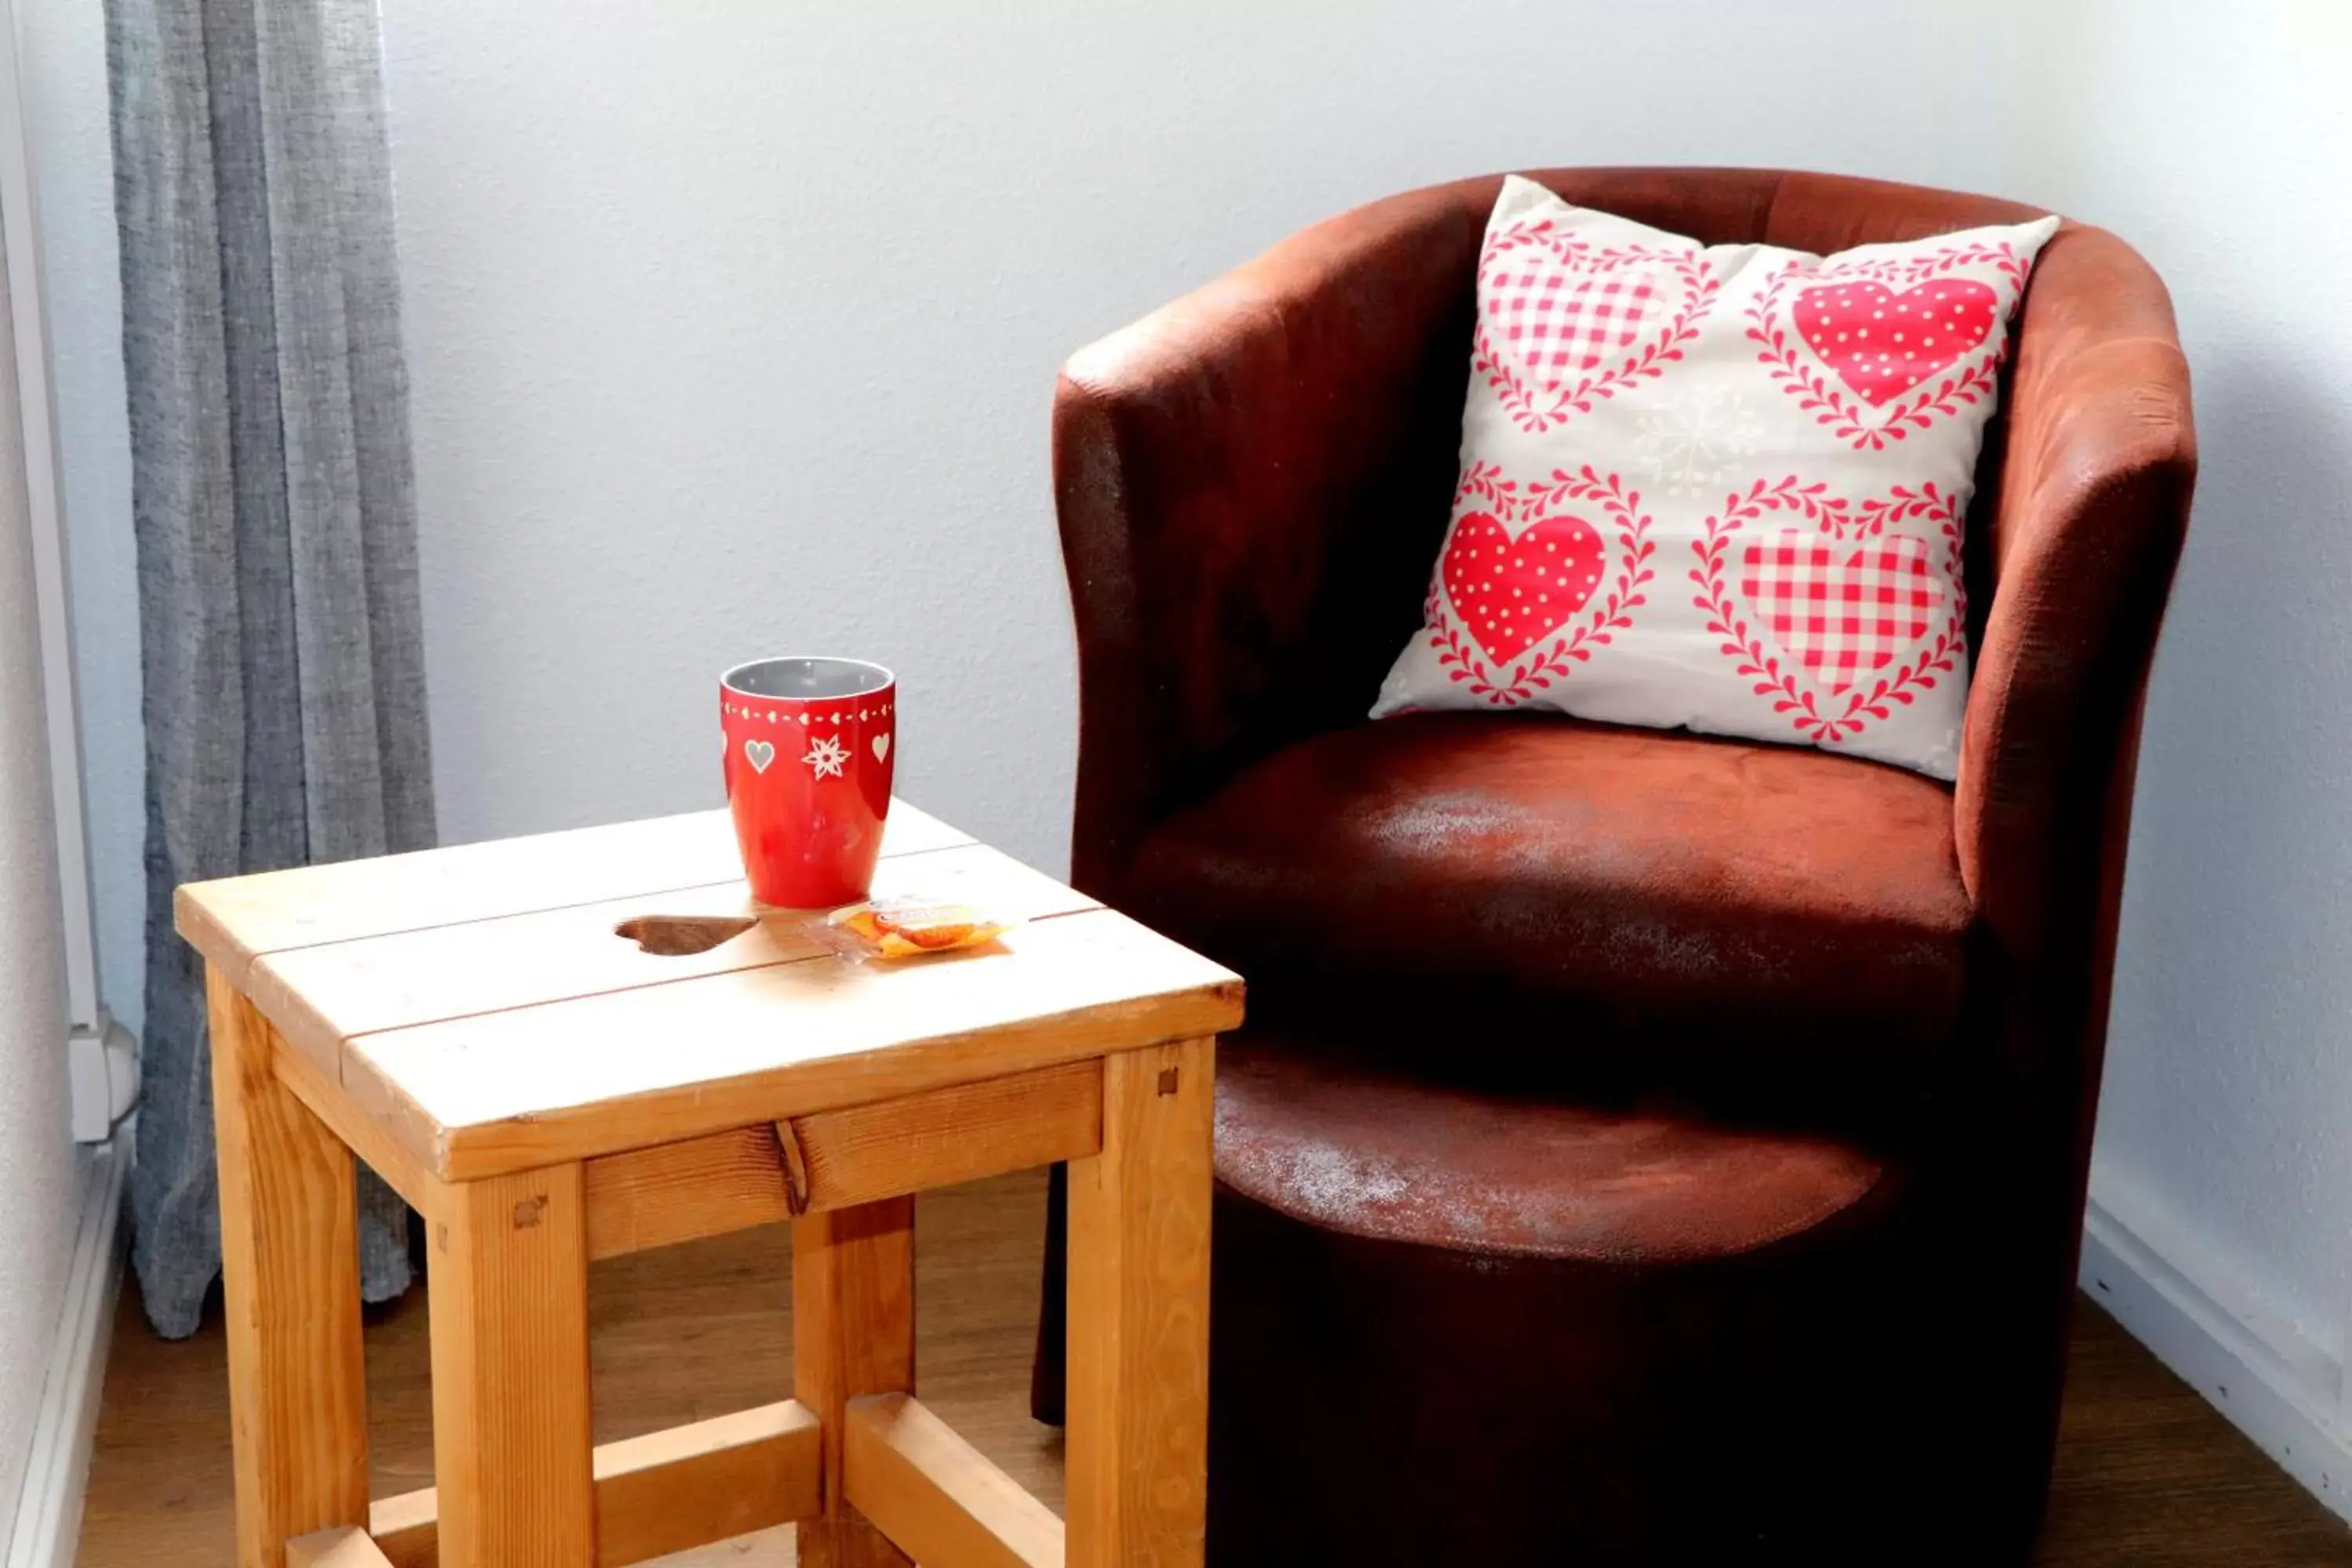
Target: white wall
[2228,1098]
[2214,138]
[37,1173]
[732,328]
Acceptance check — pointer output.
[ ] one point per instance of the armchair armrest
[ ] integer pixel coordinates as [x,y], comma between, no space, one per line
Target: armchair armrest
[2093,508]
[1252,482]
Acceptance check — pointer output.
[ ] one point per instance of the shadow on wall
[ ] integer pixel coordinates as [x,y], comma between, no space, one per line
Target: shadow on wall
[2231,994]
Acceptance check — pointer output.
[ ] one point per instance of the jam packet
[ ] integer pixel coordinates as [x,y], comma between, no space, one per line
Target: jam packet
[910,928]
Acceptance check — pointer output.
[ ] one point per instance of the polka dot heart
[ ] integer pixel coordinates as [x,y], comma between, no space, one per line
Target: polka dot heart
[1512,593]
[1882,344]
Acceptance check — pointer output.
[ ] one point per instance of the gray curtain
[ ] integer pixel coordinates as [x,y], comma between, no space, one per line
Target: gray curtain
[284,668]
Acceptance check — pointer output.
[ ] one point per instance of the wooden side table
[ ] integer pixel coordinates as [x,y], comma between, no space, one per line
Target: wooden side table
[546,1092]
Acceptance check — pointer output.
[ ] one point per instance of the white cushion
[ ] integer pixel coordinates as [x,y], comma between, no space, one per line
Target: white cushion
[1720,487]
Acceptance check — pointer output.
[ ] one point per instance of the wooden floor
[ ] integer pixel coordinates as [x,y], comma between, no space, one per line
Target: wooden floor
[2148,1475]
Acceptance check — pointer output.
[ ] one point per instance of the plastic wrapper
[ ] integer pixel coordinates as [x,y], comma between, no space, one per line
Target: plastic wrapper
[912,928]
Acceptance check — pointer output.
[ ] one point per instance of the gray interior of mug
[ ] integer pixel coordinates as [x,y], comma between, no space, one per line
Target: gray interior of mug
[806,677]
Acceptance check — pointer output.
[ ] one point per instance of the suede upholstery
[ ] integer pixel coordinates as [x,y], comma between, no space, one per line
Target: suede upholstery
[1649,903]
[1619,1021]
[1376,1153]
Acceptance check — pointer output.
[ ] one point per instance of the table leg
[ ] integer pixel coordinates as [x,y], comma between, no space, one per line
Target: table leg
[1139,1315]
[853,1333]
[291,1278]
[510,1403]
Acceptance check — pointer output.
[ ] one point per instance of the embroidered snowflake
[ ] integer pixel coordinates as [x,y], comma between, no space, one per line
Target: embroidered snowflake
[1692,445]
[827,756]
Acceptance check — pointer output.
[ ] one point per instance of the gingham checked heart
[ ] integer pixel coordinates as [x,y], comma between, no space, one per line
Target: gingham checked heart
[1559,320]
[1844,611]
[1882,344]
[1511,594]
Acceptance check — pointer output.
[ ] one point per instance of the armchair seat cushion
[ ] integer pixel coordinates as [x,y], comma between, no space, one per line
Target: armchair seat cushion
[1539,892]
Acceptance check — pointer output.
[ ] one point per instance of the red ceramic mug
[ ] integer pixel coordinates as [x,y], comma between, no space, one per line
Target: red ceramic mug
[811,747]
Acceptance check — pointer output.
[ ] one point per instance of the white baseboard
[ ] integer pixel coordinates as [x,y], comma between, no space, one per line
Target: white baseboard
[2268,1378]
[47,1528]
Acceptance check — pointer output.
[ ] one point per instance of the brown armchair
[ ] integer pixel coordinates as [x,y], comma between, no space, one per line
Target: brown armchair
[1644,1148]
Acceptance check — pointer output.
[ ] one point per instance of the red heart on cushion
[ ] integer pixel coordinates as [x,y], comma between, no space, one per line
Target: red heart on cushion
[1882,344]
[1513,593]
[1844,611]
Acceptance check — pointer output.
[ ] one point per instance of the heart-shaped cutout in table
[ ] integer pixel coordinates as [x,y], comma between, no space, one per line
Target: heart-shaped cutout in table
[1511,594]
[1882,344]
[682,936]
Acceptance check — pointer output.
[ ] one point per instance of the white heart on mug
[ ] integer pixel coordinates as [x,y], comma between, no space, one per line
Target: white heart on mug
[881,748]
[758,754]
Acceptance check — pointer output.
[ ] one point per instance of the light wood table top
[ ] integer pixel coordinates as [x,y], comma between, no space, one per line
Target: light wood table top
[477,1005]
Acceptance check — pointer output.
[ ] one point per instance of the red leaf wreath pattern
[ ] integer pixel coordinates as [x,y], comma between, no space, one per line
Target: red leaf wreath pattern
[1586,344]
[1557,655]
[1796,699]
[1852,419]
